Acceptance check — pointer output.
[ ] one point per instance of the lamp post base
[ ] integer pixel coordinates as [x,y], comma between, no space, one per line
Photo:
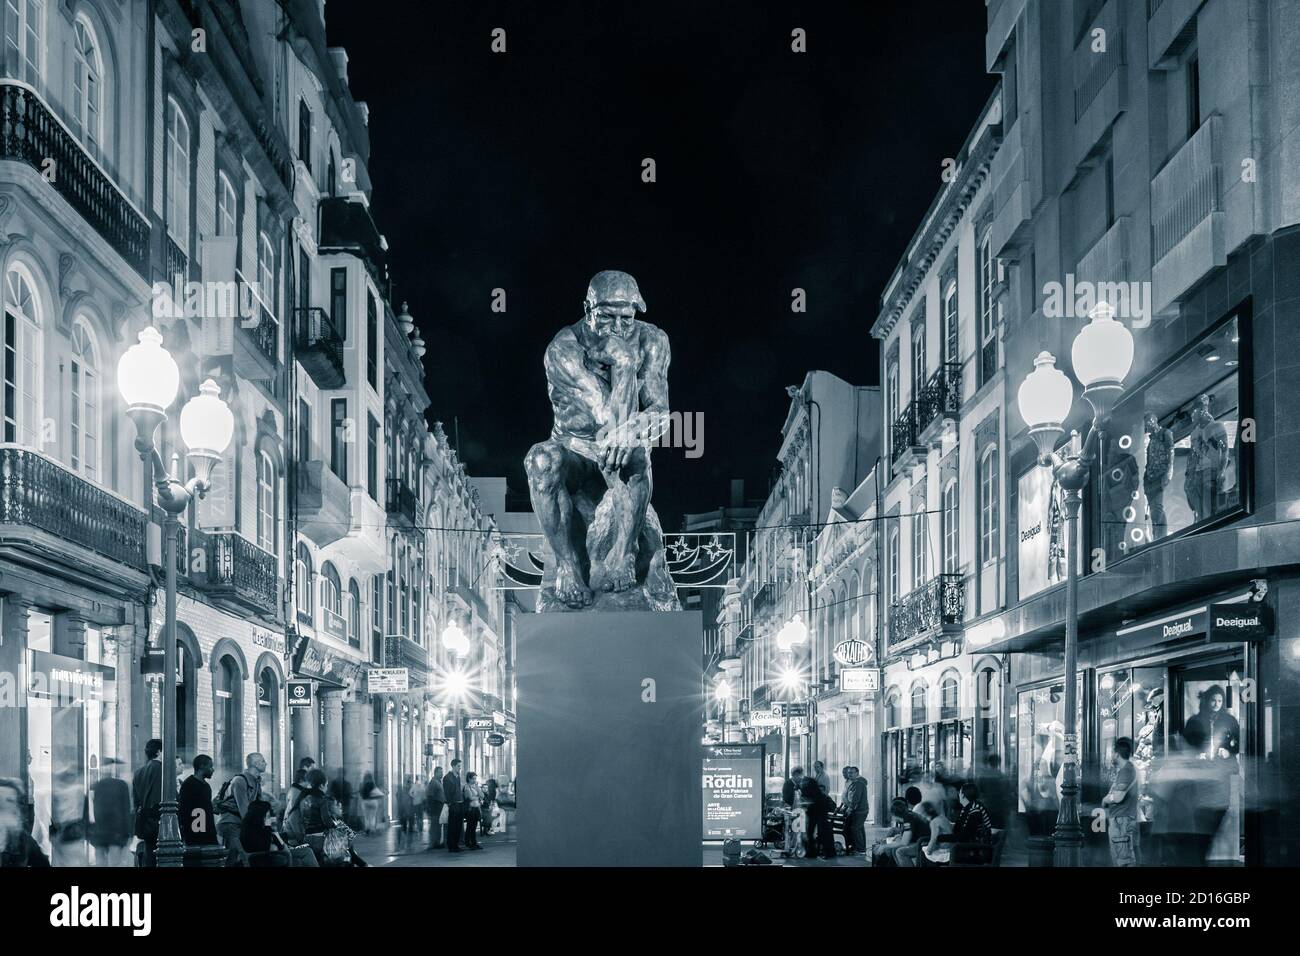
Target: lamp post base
[171,849]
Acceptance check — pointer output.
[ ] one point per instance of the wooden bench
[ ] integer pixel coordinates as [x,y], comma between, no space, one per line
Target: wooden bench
[979,854]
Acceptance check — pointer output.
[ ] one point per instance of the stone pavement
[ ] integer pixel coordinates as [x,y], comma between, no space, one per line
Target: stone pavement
[388,848]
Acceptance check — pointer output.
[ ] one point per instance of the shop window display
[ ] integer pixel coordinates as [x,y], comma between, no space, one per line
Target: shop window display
[1172,459]
[1040,738]
[1131,703]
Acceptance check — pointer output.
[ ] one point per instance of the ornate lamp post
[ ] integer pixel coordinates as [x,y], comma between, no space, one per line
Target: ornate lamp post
[792,634]
[722,693]
[148,379]
[455,641]
[1102,355]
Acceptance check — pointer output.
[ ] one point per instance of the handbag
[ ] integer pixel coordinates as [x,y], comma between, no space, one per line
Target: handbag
[444,816]
[338,844]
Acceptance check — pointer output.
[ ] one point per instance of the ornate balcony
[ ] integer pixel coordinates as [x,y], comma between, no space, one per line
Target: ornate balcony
[31,133]
[40,495]
[261,335]
[238,570]
[906,448]
[402,503]
[347,226]
[319,347]
[936,607]
[175,261]
[939,402]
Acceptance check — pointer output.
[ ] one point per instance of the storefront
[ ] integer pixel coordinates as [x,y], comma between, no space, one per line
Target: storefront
[318,730]
[1181,685]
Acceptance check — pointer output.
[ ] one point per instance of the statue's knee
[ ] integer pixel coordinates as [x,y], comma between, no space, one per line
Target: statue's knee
[542,465]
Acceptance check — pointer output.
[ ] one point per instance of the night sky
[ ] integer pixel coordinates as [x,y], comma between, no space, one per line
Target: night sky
[775,170]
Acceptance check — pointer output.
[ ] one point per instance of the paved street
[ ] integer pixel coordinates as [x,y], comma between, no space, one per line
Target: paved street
[387,848]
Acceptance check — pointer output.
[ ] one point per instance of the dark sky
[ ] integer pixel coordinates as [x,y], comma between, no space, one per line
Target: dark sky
[775,170]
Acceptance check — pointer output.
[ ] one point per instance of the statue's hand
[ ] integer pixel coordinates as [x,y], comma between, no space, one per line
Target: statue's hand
[616,351]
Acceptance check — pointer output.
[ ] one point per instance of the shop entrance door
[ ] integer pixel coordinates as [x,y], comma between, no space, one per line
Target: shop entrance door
[1209,703]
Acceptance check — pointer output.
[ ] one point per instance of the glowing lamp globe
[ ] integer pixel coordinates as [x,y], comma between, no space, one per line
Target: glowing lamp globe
[1102,356]
[723,690]
[454,639]
[1045,397]
[207,424]
[147,375]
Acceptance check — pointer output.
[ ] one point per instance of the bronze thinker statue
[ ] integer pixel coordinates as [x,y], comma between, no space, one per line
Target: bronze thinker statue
[590,482]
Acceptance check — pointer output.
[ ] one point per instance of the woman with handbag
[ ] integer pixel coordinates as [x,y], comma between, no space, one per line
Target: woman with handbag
[329,838]
[473,810]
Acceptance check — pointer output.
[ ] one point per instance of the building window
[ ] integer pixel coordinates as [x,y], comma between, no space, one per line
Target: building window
[1174,461]
[339,438]
[24,39]
[989,505]
[391,583]
[951,537]
[918,360]
[892,399]
[1193,93]
[304,133]
[87,86]
[372,342]
[22,358]
[302,582]
[178,176]
[266,269]
[331,177]
[404,590]
[354,613]
[339,301]
[266,500]
[949,696]
[893,708]
[227,711]
[331,597]
[919,535]
[918,708]
[988,314]
[227,207]
[951,346]
[84,406]
[377,606]
[893,565]
[372,458]
[304,280]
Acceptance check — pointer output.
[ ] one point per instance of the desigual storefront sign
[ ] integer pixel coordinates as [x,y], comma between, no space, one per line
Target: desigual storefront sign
[1222,623]
[1249,621]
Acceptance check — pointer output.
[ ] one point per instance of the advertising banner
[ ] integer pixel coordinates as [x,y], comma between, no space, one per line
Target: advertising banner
[733,791]
[1041,544]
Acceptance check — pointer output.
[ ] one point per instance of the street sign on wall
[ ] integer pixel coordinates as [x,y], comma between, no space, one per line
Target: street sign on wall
[852,653]
[387,680]
[860,679]
[299,693]
[790,708]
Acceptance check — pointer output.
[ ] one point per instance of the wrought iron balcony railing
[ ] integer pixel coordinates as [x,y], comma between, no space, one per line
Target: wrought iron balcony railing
[32,133]
[239,570]
[937,605]
[175,261]
[39,493]
[318,346]
[264,334]
[402,502]
[903,435]
[941,396]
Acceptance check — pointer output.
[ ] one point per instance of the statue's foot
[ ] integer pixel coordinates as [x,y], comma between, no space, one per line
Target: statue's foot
[569,587]
[623,577]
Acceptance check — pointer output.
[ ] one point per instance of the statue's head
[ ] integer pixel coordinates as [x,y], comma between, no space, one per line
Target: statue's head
[612,303]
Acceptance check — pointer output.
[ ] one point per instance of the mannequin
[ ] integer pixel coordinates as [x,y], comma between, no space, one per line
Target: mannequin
[1209,463]
[1157,472]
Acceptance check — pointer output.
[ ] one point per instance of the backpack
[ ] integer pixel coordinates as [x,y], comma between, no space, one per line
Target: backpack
[226,802]
[293,824]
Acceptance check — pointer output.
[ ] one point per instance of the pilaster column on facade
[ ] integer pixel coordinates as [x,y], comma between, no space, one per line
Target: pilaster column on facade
[305,730]
[13,729]
[331,704]
[358,737]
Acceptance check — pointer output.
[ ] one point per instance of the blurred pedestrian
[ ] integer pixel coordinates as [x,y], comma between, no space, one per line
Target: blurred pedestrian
[300,775]
[909,828]
[1190,799]
[110,801]
[995,791]
[415,793]
[853,803]
[473,810]
[370,797]
[340,791]
[936,850]
[17,848]
[822,777]
[1121,806]
[405,811]
[435,803]
[454,793]
[198,823]
[821,839]
[489,804]
[146,788]
[68,824]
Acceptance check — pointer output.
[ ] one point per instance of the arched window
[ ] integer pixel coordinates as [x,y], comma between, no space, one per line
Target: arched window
[331,590]
[354,613]
[178,176]
[918,715]
[266,502]
[84,404]
[186,702]
[893,708]
[302,582]
[920,545]
[22,357]
[989,505]
[227,706]
[227,206]
[268,723]
[266,269]
[893,564]
[949,693]
[25,39]
[88,87]
[951,540]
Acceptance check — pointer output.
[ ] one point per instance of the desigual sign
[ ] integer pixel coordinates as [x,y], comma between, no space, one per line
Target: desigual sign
[1248,621]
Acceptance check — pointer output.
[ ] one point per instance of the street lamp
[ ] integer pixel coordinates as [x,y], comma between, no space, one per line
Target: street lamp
[791,635]
[148,380]
[1102,355]
[457,681]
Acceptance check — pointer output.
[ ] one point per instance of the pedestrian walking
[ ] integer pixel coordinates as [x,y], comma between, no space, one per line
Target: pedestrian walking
[435,803]
[340,791]
[370,797]
[405,811]
[473,810]
[146,789]
[489,805]
[110,803]
[232,804]
[821,839]
[1121,805]
[198,825]
[17,848]
[454,793]
[415,793]
[822,777]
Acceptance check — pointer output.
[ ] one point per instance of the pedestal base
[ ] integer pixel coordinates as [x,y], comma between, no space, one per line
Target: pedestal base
[609,725]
